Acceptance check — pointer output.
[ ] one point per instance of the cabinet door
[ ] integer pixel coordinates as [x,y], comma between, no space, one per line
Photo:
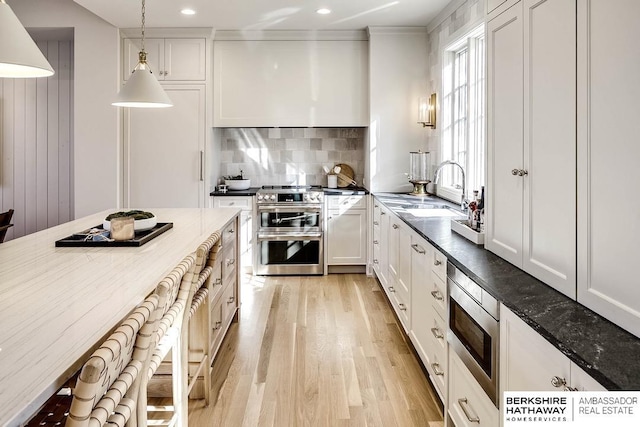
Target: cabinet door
[383,253]
[346,237]
[164,152]
[550,143]
[504,135]
[608,152]
[290,83]
[184,59]
[155,56]
[528,362]
[421,297]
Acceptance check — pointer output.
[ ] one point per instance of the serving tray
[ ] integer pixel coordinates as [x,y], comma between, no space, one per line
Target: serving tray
[139,239]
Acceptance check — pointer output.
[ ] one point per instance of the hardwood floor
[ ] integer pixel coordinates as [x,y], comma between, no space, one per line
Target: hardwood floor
[316,351]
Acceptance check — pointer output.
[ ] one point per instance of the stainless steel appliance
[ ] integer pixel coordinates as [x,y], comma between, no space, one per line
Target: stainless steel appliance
[474,329]
[289,230]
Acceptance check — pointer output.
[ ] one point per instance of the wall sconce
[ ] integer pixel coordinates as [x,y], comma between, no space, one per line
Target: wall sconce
[427,111]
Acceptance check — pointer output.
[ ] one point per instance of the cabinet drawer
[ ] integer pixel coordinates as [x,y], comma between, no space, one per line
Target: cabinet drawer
[438,292]
[244,203]
[439,266]
[229,302]
[228,260]
[402,306]
[468,404]
[437,369]
[229,236]
[215,281]
[346,202]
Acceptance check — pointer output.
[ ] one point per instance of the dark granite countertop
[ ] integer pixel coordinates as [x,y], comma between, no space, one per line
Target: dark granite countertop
[343,191]
[249,192]
[605,351]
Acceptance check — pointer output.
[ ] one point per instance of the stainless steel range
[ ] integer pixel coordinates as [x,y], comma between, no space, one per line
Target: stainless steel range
[290,230]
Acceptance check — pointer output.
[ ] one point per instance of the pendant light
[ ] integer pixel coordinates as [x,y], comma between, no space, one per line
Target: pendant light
[19,54]
[142,90]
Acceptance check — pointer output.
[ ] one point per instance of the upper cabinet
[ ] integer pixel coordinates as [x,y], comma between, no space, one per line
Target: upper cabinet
[608,152]
[292,83]
[170,59]
[532,140]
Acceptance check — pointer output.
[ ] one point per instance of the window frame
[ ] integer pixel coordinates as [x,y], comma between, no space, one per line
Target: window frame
[471,43]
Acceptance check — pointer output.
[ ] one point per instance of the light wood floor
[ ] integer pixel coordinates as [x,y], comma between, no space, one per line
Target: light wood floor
[316,351]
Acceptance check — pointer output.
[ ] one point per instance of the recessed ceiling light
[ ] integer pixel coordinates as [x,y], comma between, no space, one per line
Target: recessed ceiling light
[323,11]
[188,12]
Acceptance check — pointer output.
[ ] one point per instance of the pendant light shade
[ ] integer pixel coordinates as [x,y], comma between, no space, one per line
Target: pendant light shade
[142,90]
[19,54]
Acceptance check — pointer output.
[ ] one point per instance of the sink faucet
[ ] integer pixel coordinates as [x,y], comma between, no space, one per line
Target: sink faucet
[463,204]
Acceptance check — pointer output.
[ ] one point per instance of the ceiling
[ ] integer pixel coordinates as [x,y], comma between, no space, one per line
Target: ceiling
[268,14]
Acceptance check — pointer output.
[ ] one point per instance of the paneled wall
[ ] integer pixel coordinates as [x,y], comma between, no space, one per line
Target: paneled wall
[290,156]
[36,145]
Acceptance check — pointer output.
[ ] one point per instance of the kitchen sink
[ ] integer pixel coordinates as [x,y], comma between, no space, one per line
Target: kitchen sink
[428,210]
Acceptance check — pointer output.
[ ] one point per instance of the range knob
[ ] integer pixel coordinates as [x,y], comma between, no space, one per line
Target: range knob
[260,197]
[272,197]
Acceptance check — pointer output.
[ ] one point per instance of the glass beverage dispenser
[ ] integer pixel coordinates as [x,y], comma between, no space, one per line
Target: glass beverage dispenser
[419,171]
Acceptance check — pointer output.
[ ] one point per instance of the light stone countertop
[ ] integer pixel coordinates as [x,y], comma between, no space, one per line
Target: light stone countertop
[58,304]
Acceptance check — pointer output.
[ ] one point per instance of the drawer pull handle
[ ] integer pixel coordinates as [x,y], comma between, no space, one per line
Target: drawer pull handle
[463,405]
[392,289]
[231,300]
[437,370]
[383,213]
[416,247]
[375,242]
[437,262]
[375,206]
[231,262]
[436,333]
[396,226]
[402,307]
[218,281]
[514,172]
[375,223]
[437,295]
[218,324]
[375,261]
[232,231]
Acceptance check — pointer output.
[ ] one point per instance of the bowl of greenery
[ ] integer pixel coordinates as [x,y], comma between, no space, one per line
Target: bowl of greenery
[142,220]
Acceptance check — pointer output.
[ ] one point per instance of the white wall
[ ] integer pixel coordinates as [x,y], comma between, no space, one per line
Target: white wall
[96,121]
[459,16]
[397,78]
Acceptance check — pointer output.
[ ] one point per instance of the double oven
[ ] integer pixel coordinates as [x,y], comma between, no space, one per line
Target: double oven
[289,231]
[474,329]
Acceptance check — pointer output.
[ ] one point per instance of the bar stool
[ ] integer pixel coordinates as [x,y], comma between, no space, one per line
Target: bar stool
[107,389]
[179,285]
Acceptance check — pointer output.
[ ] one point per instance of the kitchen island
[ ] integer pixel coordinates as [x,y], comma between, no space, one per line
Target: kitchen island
[58,304]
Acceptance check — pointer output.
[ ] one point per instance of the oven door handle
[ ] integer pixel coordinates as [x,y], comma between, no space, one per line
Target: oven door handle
[290,236]
[285,209]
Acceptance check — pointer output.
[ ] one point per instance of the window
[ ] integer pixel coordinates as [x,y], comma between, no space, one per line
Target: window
[463,115]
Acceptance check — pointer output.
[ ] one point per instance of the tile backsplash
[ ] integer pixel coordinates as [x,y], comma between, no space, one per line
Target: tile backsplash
[290,156]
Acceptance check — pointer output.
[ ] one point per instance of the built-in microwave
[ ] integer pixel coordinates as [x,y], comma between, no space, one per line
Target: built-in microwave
[474,329]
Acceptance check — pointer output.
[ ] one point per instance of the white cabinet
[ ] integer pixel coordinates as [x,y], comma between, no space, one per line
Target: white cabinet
[290,83]
[428,325]
[247,239]
[380,253]
[528,362]
[346,227]
[169,59]
[608,152]
[399,262]
[164,152]
[531,217]
[469,405]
